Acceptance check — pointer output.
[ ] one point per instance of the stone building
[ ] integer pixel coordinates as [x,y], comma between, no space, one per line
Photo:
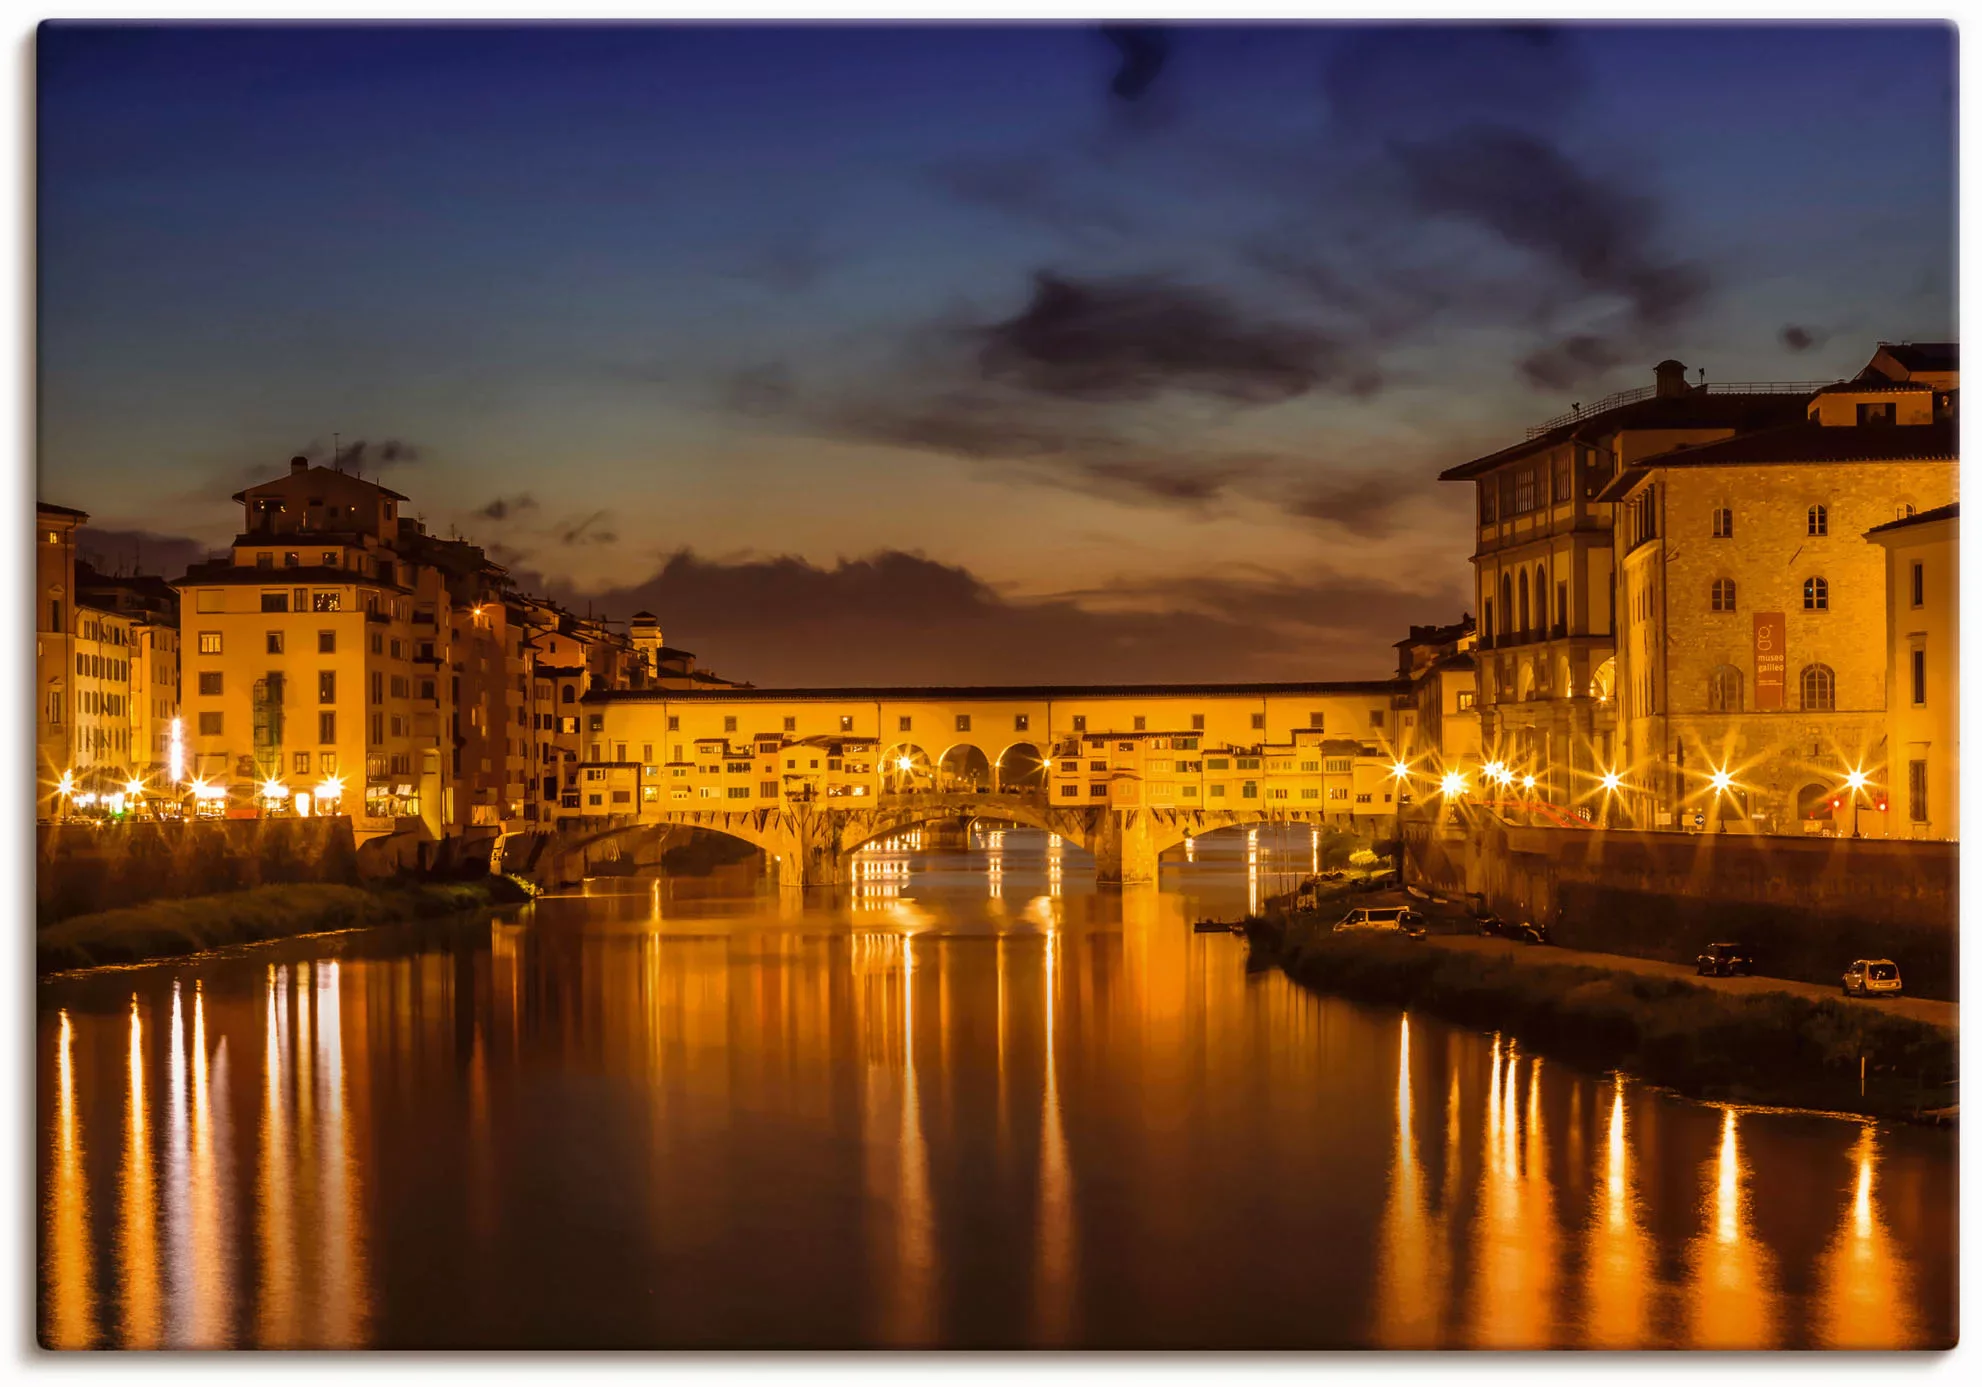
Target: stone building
[1751,640]
[55,674]
[1923,672]
[149,612]
[1544,566]
[1439,724]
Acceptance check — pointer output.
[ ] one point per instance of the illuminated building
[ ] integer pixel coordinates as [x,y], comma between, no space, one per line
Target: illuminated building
[1752,611]
[1923,672]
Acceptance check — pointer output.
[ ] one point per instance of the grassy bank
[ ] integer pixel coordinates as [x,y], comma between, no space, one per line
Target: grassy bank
[1770,1048]
[170,928]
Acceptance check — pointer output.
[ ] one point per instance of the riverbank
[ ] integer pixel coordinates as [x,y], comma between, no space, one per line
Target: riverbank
[174,928]
[1763,1047]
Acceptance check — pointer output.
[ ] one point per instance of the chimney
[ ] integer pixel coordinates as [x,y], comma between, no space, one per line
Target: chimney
[298,466]
[1671,378]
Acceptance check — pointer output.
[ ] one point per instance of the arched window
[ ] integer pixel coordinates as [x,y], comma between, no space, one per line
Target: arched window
[1819,689]
[1723,594]
[1541,600]
[1723,523]
[569,696]
[1506,604]
[1724,689]
[1816,595]
[1524,602]
[1820,521]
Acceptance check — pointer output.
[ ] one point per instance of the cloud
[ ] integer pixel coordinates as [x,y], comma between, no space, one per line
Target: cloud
[1569,361]
[141,551]
[1798,338]
[1135,338]
[505,506]
[361,455]
[1145,49]
[584,531]
[1034,188]
[894,617]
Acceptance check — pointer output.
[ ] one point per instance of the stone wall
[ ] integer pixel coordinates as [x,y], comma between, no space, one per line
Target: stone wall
[81,868]
[1807,906]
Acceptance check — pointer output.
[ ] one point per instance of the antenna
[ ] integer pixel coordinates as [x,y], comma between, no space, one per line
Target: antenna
[336,459]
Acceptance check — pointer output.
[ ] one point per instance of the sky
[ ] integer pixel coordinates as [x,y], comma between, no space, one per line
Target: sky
[949,353]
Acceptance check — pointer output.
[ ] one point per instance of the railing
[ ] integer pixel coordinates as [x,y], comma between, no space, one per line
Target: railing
[1645,392]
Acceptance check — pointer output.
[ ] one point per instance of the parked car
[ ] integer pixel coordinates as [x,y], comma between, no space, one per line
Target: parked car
[1398,919]
[1872,977]
[1725,961]
[1520,931]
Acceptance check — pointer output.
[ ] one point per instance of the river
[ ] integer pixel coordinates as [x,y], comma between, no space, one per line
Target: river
[973,1101]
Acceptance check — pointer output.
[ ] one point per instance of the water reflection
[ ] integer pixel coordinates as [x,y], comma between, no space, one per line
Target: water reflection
[953,1105]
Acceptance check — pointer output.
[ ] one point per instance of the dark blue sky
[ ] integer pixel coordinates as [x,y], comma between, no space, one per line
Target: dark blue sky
[1149,346]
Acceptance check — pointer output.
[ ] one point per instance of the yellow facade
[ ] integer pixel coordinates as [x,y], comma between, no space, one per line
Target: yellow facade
[1923,665]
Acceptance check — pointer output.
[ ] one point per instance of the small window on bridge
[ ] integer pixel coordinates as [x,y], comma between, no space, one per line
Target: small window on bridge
[905,724]
[1142,723]
[1314,721]
[1070,791]
[1197,722]
[1098,791]
[674,724]
[1022,722]
[846,723]
[1259,722]
[729,724]
[1080,722]
[963,722]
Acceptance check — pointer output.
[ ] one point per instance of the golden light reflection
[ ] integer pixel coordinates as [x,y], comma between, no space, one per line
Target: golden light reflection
[178,1161]
[137,1233]
[210,1319]
[276,1304]
[1513,1280]
[71,1306]
[340,1294]
[1617,1268]
[1865,1300]
[1731,1299]
[915,1251]
[1054,1282]
[1412,1267]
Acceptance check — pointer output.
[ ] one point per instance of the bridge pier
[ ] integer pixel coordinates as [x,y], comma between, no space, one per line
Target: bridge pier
[1124,848]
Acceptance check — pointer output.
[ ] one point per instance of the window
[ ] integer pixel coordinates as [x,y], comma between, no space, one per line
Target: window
[1097,791]
[275,601]
[674,725]
[209,642]
[1723,594]
[1564,476]
[963,722]
[1724,689]
[326,642]
[1723,523]
[1816,595]
[1314,721]
[729,724]
[327,601]
[275,642]
[1819,686]
[1919,677]
[739,792]
[326,686]
[1069,791]
[300,763]
[1142,724]
[1880,412]
[1486,502]
[209,683]
[1467,699]
[1919,585]
[1524,491]
[265,560]
[1080,722]
[1249,790]
[329,558]
[209,724]
[597,722]
[791,724]
[1916,791]
[1259,722]
[905,724]
[568,696]
[846,723]
[326,727]
[1819,521]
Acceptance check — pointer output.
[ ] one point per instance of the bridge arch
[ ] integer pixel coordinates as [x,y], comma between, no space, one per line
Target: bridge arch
[963,769]
[906,767]
[1021,766]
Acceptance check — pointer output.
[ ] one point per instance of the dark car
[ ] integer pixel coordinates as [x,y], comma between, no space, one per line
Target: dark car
[1520,931]
[1726,961]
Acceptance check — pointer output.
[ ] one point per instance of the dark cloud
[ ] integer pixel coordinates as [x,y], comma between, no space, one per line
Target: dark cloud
[1137,338]
[1365,505]
[902,618]
[587,531]
[1570,361]
[362,455]
[141,551]
[1798,338]
[505,506]
[766,388]
[1144,49]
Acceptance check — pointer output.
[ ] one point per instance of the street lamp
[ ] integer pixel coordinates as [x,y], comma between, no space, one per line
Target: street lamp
[1452,784]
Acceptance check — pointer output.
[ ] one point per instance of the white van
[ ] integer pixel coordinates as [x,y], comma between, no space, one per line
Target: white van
[1395,919]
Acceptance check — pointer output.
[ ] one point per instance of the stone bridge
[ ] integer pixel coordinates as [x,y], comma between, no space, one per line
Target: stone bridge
[809,843]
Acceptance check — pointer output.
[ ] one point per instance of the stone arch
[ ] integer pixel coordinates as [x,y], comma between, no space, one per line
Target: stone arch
[1604,681]
[1524,688]
[1524,627]
[963,769]
[1506,604]
[905,768]
[1542,591]
[1813,802]
[1020,766]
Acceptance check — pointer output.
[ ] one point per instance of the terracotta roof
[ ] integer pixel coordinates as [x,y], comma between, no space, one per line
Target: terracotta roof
[993,692]
[1951,511]
[1804,442]
[1869,384]
[52,509]
[1696,409]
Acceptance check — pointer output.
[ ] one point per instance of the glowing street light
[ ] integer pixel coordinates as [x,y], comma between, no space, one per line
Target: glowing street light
[133,788]
[904,764]
[1856,780]
[67,785]
[274,790]
[1527,782]
[1452,784]
[1722,781]
[1399,769]
[1611,780]
[175,753]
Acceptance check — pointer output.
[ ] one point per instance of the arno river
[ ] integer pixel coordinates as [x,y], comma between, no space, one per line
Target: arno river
[971,1102]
